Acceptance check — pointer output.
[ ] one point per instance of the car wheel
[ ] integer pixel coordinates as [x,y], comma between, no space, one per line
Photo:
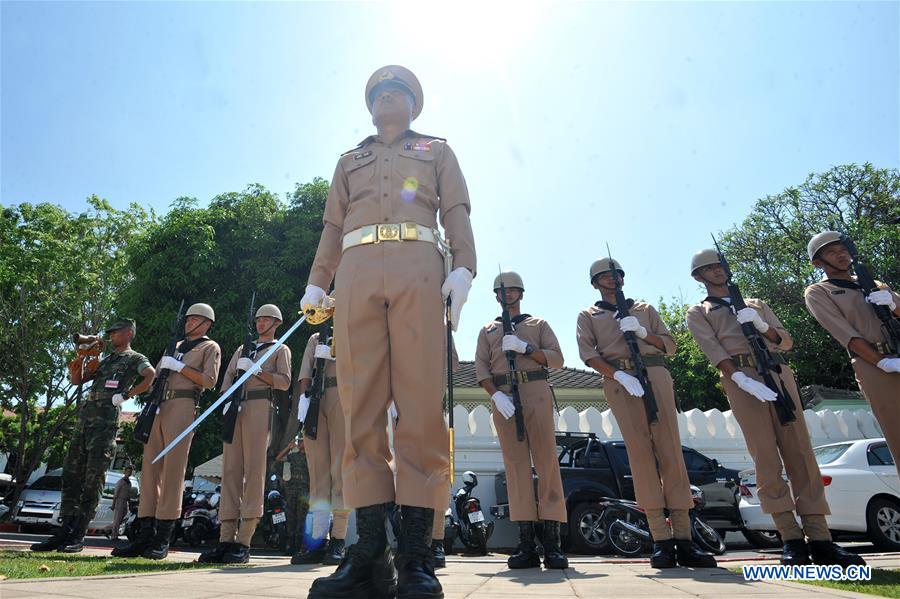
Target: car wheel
[588,529]
[763,539]
[883,522]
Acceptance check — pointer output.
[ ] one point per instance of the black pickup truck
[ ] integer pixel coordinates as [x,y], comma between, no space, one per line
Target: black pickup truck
[592,469]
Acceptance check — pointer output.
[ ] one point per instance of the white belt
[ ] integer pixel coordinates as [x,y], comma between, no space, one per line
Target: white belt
[390,232]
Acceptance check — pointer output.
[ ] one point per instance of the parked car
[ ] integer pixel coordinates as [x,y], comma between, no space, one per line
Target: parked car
[862,489]
[38,506]
[592,469]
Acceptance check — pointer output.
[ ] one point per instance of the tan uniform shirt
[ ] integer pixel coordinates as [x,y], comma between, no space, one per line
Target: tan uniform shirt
[308,364]
[719,335]
[206,358]
[410,180]
[121,492]
[490,360]
[599,335]
[279,366]
[845,313]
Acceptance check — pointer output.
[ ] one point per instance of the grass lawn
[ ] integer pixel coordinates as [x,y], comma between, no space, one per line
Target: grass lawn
[24,564]
[884,583]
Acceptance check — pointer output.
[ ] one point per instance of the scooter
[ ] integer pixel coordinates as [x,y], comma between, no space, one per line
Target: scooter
[275,526]
[200,519]
[473,531]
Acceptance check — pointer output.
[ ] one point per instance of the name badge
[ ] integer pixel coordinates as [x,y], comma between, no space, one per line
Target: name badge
[111,384]
[838,292]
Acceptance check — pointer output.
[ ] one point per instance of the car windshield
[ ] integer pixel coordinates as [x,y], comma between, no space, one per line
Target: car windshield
[47,483]
[829,453]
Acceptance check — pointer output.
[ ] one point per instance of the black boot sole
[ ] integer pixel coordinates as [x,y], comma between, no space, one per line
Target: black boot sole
[364,591]
[71,549]
[535,562]
[663,565]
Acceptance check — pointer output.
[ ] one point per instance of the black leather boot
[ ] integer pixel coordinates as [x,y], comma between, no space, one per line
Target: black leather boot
[691,556]
[367,569]
[437,554]
[526,555]
[145,528]
[554,558]
[795,553]
[663,555]
[74,543]
[309,556]
[159,545]
[57,538]
[826,553]
[215,555]
[334,553]
[415,563]
[239,554]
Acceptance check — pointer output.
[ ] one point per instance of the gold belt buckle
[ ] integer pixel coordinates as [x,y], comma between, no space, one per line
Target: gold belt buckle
[521,377]
[368,235]
[388,233]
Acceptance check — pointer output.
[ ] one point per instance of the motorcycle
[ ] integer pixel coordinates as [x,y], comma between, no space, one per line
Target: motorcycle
[629,532]
[471,527]
[275,526]
[200,519]
[127,527]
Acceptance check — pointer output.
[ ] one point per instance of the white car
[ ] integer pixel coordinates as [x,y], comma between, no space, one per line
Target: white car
[862,488]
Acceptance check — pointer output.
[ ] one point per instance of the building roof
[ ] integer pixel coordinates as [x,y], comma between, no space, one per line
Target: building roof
[560,378]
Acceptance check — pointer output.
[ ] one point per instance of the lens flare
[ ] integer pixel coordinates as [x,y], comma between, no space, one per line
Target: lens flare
[410,186]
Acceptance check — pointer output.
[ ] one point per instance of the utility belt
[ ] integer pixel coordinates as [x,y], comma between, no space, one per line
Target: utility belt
[258,394]
[627,364]
[182,393]
[880,347]
[407,231]
[330,381]
[522,377]
[748,361]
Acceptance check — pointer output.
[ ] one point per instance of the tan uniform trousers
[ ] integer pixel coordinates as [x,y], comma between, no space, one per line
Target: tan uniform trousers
[119,511]
[766,438]
[162,483]
[244,463]
[324,455]
[540,446]
[654,488]
[390,336]
[882,390]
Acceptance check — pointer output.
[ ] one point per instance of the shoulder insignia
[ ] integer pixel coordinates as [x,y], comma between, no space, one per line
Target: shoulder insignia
[838,291]
[360,145]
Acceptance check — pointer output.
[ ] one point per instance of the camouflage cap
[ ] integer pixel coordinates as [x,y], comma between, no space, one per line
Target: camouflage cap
[121,323]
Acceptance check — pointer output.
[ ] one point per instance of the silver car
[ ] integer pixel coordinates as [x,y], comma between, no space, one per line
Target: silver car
[38,506]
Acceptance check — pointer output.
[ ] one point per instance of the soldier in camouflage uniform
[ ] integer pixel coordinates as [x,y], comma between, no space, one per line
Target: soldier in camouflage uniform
[296,495]
[94,438]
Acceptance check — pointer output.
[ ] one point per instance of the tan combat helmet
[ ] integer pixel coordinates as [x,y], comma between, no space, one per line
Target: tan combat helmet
[269,310]
[821,240]
[204,310]
[510,280]
[598,267]
[704,258]
[397,75]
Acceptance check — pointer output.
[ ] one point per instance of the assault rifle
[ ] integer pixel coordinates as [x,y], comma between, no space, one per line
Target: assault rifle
[316,390]
[230,414]
[511,361]
[144,422]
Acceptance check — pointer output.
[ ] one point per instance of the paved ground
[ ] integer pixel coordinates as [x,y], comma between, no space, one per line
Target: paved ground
[465,577]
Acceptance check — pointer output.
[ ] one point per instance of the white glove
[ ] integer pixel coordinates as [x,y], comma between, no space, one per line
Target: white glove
[246,364]
[513,343]
[171,363]
[631,384]
[882,297]
[302,407]
[748,314]
[631,323]
[753,387]
[889,364]
[324,351]
[456,287]
[118,399]
[504,404]
[392,410]
[312,298]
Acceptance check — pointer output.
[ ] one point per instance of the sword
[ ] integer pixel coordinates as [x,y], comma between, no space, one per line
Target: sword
[234,386]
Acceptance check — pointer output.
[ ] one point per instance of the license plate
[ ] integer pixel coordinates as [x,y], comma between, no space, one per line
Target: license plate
[476,517]
[186,523]
[278,518]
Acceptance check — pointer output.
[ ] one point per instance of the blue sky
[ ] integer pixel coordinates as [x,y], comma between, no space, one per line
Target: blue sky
[644,125]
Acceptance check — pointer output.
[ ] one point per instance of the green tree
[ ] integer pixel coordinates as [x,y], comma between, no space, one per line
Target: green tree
[767,253]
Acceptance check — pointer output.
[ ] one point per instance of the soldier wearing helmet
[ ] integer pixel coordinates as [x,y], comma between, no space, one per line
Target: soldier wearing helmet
[536,349]
[244,459]
[602,346]
[716,327]
[840,306]
[194,368]
[381,245]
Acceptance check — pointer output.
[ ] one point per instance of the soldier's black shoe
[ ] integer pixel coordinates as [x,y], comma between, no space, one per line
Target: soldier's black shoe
[526,555]
[691,556]
[145,528]
[239,554]
[415,562]
[367,569]
[159,545]
[309,556]
[215,555]
[663,555]
[59,537]
[554,558]
[826,553]
[437,554]
[74,543]
[334,553]
[795,553]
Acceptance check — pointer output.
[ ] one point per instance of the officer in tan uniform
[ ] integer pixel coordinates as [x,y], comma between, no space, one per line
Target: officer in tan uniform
[716,327]
[537,348]
[324,455]
[602,346]
[195,367]
[841,308]
[391,278]
[244,459]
